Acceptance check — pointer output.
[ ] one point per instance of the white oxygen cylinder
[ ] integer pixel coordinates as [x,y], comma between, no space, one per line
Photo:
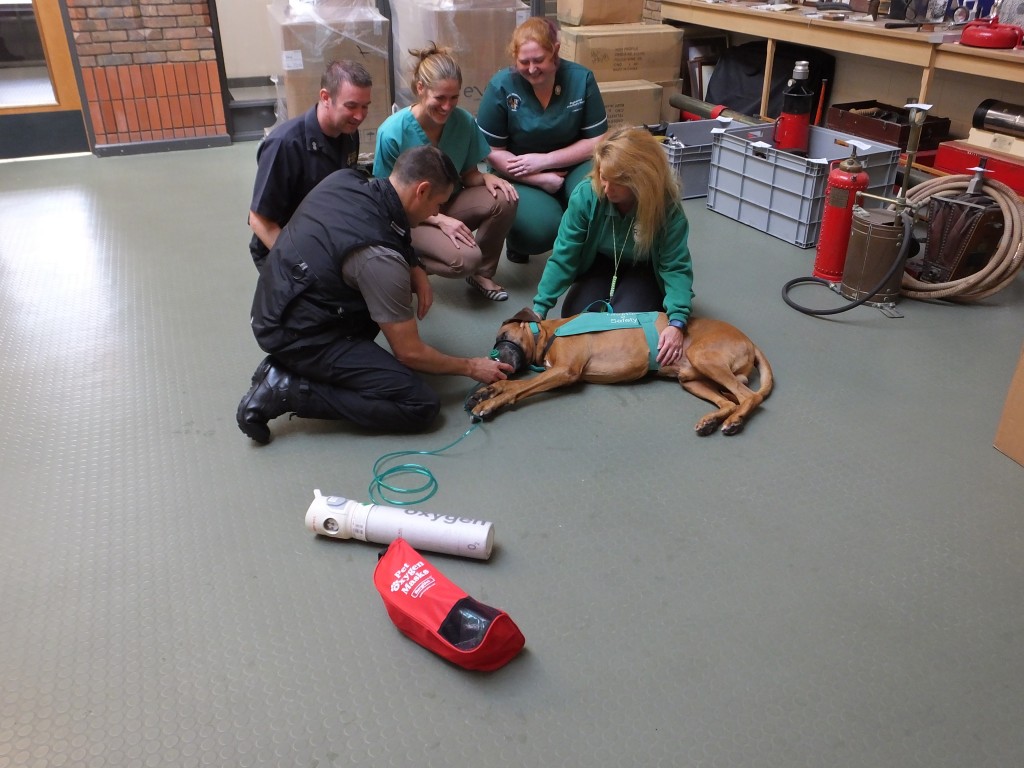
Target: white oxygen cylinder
[342,518]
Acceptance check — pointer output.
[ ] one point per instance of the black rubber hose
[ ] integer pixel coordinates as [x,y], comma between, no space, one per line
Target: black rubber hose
[908,224]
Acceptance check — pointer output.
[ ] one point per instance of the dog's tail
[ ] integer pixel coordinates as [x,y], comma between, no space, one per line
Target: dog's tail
[734,422]
[767,378]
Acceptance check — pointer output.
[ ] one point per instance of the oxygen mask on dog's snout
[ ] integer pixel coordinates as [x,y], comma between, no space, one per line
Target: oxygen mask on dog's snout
[506,351]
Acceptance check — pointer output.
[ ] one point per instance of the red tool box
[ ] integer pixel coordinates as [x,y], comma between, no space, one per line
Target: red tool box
[959,157]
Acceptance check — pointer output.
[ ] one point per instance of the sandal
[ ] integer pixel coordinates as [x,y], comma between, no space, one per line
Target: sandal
[493,294]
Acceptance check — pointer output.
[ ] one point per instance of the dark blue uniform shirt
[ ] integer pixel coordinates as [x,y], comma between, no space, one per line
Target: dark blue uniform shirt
[293,159]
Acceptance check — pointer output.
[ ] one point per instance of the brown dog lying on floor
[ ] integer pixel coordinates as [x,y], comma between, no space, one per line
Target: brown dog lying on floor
[716,363]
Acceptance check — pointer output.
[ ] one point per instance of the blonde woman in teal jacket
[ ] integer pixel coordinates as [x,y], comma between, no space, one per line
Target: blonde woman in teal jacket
[624,240]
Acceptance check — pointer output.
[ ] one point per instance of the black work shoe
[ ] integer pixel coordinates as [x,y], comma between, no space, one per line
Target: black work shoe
[517,257]
[266,399]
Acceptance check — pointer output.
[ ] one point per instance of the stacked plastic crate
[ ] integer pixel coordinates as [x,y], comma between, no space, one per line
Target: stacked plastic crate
[783,194]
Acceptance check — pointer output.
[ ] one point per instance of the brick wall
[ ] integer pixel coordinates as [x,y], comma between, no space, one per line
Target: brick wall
[149,68]
[652,10]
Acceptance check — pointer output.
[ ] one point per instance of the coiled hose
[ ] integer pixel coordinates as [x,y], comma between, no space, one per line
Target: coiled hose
[1006,260]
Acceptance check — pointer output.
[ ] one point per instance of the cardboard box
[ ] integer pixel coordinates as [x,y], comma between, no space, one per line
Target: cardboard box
[625,51]
[311,36]
[631,102]
[670,114]
[1001,142]
[478,32]
[1010,433]
[577,12]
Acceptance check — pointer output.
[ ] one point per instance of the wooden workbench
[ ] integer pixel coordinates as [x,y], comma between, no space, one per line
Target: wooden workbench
[931,52]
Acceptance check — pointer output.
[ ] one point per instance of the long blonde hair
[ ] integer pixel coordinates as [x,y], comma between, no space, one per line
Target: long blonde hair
[633,158]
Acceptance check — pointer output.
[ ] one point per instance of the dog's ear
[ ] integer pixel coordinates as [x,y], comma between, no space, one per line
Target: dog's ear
[525,315]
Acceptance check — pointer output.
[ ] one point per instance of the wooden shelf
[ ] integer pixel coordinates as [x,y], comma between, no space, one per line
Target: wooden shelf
[995,63]
[928,51]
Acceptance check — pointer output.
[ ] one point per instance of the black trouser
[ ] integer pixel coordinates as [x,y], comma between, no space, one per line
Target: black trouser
[357,380]
[636,290]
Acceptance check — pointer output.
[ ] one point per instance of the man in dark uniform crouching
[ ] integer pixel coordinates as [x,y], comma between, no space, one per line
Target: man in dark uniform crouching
[342,270]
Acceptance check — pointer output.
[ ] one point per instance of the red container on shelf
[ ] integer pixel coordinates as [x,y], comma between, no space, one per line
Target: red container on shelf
[960,157]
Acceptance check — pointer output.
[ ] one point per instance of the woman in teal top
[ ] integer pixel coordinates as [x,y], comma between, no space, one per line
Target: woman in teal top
[623,240]
[542,117]
[486,204]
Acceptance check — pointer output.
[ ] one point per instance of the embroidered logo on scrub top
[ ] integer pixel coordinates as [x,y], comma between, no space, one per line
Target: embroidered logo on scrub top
[513,102]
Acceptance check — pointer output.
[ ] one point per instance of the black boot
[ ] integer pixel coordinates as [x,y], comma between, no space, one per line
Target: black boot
[266,399]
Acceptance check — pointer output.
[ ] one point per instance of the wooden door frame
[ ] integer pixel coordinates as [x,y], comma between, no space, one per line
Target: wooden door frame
[49,129]
[57,49]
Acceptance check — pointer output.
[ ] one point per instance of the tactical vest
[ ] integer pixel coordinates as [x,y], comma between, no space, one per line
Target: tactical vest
[301,297]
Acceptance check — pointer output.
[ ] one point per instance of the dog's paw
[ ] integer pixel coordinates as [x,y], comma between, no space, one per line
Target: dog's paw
[732,428]
[706,427]
[480,395]
[490,405]
[483,411]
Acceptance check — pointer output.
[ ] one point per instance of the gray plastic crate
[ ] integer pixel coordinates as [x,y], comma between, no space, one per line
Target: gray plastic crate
[781,193]
[692,161]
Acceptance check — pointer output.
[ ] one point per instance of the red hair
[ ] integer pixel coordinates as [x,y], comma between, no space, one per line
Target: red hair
[537,29]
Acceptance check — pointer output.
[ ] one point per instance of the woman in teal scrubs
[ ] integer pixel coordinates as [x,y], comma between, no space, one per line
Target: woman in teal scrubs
[486,204]
[624,241]
[542,117]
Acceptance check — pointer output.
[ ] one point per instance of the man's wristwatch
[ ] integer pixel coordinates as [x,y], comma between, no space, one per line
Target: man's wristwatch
[680,324]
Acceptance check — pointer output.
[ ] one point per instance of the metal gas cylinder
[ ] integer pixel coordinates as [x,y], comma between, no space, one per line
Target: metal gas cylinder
[876,238]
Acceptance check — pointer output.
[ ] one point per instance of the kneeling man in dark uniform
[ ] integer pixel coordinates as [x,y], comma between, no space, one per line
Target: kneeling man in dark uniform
[341,271]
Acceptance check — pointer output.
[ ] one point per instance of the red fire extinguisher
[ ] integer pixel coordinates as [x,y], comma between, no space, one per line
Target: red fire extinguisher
[792,128]
[845,180]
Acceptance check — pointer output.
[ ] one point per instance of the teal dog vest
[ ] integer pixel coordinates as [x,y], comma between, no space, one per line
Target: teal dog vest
[598,322]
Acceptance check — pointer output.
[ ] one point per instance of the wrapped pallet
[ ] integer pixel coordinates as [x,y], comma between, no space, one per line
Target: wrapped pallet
[477,31]
[310,35]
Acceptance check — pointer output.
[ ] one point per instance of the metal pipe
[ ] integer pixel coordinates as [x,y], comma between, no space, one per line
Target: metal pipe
[706,110]
[917,118]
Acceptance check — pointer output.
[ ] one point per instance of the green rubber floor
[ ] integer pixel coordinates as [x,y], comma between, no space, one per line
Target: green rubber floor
[840,586]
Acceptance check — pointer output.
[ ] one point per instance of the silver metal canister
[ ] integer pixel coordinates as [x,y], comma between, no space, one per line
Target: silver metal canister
[1000,117]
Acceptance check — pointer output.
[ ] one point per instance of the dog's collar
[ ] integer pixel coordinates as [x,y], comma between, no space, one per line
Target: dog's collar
[535,330]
